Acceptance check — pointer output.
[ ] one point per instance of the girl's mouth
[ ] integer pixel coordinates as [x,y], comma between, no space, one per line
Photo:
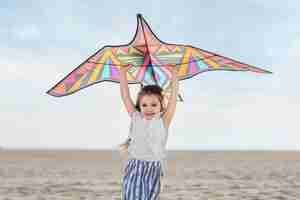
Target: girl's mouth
[149,114]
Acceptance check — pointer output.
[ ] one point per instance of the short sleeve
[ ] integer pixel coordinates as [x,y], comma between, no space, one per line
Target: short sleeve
[134,118]
[135,114]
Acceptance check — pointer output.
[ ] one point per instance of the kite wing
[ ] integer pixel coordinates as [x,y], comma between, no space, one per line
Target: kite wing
[192,61]
[104,65]
[150,61]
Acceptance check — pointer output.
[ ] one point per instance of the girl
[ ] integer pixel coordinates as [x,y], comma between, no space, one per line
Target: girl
[145,145]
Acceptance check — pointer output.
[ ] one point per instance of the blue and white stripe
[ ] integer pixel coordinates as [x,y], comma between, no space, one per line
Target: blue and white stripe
[141,180]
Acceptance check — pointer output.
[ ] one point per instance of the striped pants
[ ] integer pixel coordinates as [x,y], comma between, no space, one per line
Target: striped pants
[141,180]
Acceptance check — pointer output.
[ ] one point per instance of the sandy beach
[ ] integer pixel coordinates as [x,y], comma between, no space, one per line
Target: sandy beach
[191,175]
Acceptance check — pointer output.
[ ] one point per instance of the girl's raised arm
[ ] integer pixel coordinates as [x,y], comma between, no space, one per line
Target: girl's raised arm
[171,107]
[125,94]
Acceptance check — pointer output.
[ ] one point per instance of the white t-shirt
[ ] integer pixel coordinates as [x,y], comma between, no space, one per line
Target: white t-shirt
[148,139]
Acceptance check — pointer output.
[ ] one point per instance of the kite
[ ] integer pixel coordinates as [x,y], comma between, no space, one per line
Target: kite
[149,61]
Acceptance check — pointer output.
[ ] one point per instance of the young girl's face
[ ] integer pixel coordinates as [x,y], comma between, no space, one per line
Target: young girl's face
[150,106]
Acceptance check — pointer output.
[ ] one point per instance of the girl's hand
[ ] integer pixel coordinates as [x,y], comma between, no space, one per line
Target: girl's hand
[125,94]
[124,69]
[170,110]
[174,71]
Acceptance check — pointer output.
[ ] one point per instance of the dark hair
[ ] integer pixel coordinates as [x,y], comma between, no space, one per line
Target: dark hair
[150,90]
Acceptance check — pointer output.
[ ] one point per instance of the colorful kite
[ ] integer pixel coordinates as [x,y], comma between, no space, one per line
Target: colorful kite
[149,60]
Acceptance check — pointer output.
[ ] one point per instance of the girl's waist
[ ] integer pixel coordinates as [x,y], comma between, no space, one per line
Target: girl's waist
[144,160]
[157,163]
[146,157]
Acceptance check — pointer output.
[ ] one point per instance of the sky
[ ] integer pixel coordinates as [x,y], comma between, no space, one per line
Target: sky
[42,41]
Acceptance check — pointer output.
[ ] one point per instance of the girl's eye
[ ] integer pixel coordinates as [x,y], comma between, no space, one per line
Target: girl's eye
[154,105]
[144,105]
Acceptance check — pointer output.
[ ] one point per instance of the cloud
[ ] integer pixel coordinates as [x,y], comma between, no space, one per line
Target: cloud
[27,32]
[253,121]
[294,48]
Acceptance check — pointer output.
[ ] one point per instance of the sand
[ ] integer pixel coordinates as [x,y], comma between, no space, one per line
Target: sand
[191,175]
